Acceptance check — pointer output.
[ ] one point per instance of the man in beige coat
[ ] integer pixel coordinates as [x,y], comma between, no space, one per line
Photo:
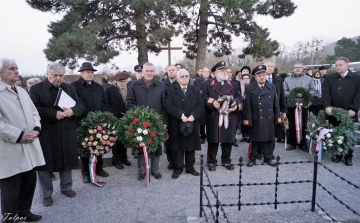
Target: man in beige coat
[20,150]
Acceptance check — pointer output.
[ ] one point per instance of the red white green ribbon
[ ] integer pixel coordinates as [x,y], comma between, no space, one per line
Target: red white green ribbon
[318,143]
[147,164]
[227,105]
[92,168]
[298,121]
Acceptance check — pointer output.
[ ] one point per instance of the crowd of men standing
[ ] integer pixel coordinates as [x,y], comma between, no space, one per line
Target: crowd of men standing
[215,106]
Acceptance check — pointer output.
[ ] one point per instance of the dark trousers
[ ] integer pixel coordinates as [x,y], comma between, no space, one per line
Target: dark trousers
[85,165]
[17,193]
[315,109]
[225,153]
[202,132]
[119,152]
[265,148]
[169,154]
[292,128]
[179,160]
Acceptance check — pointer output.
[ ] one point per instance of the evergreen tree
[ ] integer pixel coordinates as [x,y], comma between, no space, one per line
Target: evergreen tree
[345,47]
[98,30]
[215,21]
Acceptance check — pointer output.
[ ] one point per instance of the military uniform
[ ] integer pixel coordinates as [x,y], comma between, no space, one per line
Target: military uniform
[212,90]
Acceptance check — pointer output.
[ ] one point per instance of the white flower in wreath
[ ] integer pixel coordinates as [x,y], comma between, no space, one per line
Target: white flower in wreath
[324,147]
[145,132]
[139,138]
[330,130]
[323,137]
[340,150]
[139,130]
[340,141]
[330,145]
[324,143]
[330,141]
[328,135]
[313,125]
[341,137]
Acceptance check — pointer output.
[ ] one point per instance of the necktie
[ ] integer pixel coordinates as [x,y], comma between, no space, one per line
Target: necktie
[184,90]
[270,80]
[14,89]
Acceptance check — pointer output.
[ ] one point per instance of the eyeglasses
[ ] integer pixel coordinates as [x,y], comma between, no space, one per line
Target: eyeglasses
[184,76]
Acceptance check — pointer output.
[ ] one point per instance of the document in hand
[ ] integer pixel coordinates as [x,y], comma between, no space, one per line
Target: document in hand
[63,100]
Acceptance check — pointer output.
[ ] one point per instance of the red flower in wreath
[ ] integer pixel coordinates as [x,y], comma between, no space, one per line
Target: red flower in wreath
[131,130]
[103,132]
[145,125]
[95,131]
[89,144]
[152,134]
[135,122]
[137,146]
[99,128]
[149,142]
[91,138]
[129,135]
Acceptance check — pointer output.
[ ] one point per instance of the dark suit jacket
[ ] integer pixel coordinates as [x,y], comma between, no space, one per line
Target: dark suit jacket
[116,101]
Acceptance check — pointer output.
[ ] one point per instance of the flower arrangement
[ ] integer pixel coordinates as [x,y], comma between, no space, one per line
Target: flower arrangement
[97,133]
[141,125]
[339,139]
[306,97]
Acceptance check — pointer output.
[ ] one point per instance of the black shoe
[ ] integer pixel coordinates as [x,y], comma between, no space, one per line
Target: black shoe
[126,163]
[272,157]
[248,140]
[194,173]
[259,157]
[278,140]
[238,132]
[271,163]
[141,176]
[175,175]
[304,148]
[48,201]
[202,141]
[212,167]
[290,147]
[33,217]
[86,179]
[102,173]
[118,165]
[235,144]
[135,156]
[53,177]
[348,162]
[251,163]
[170,166]
[228,166]
[336,159]
[157,175]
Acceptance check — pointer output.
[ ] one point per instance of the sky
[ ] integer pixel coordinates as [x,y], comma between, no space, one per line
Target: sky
[24,32]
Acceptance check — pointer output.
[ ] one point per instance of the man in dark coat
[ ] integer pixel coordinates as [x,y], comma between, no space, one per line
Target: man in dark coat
[342,90]
[116,95]
[261,113]
[58,139]
[184,105]
[200,84]
[93,96]
[213,90]
[148,92]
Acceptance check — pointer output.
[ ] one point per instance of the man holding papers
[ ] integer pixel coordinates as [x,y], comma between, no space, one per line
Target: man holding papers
[58,131]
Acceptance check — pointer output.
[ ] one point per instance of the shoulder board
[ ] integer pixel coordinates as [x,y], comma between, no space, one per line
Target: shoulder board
[212,83]
[229,83]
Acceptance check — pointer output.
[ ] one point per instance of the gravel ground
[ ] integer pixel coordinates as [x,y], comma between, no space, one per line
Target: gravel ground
[125,199]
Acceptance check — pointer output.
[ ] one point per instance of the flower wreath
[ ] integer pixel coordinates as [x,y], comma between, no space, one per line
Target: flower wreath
[339,139]
[227,105]
[305,99]
[141,125]
[97,133]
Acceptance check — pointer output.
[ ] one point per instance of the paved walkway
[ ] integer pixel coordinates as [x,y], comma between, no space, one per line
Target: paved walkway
[125,199]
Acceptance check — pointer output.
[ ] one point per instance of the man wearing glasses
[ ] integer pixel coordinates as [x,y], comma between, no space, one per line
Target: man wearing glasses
[221,115]
[297,79]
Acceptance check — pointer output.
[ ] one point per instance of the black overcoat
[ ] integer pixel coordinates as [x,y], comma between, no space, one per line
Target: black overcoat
[176,104]
[342,92]
[116,102]
[261,110]
[58,137]
[200,84]
[152,96]
[213,90]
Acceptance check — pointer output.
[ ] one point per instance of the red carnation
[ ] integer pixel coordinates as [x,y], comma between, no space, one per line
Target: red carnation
[152,134]
[145,125]
[90,148]
[95,131]
[108,142]
[135,122]
[91,138]
[129,135]
[89,144]
[97,147]
[137,146]
[103,142]
[131,130]
[103,132]
[99,127]
[149,142]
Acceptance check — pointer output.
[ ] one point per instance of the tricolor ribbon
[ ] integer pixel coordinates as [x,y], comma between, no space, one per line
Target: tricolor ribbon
[298,121]
[92,168]
[318,143]
[225,109]
[147,164]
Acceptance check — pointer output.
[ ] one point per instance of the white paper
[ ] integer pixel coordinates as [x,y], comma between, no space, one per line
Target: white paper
[65,101]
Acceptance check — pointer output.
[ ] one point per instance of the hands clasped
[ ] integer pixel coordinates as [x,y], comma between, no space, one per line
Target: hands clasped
[29,137]
[187,119]
[68,112]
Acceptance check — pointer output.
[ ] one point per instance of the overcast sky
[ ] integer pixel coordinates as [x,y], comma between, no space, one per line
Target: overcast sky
[24,32]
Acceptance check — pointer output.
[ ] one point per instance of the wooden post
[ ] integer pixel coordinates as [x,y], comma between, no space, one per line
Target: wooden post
[169,48]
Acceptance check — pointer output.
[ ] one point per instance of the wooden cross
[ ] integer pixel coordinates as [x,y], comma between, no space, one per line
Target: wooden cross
[169,48]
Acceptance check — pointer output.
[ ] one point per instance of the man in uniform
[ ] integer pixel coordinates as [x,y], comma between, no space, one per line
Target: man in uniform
[261,112]
[220,127]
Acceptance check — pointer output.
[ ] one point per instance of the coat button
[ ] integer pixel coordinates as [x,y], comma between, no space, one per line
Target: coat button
[259,96]
[260,117]
[259,103]
[269,96]
[260,109]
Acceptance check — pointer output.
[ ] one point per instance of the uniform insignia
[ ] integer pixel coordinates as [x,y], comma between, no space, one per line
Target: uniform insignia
[260,67]
[222,63]
[139,68]
[212,83]
[229,83]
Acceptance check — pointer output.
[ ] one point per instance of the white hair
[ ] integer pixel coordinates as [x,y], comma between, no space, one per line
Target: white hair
[178,72]
[33,80]
[4,61]
[55,67]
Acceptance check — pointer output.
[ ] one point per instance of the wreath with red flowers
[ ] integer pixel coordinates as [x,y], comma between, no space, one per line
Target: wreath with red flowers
[141,125]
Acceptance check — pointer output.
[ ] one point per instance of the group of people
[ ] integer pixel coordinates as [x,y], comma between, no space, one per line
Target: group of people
[41,137]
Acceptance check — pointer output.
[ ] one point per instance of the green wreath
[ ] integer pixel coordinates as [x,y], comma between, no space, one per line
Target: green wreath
[97,133]
[341,138]
[230,104]
[305,99]
[142,125]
